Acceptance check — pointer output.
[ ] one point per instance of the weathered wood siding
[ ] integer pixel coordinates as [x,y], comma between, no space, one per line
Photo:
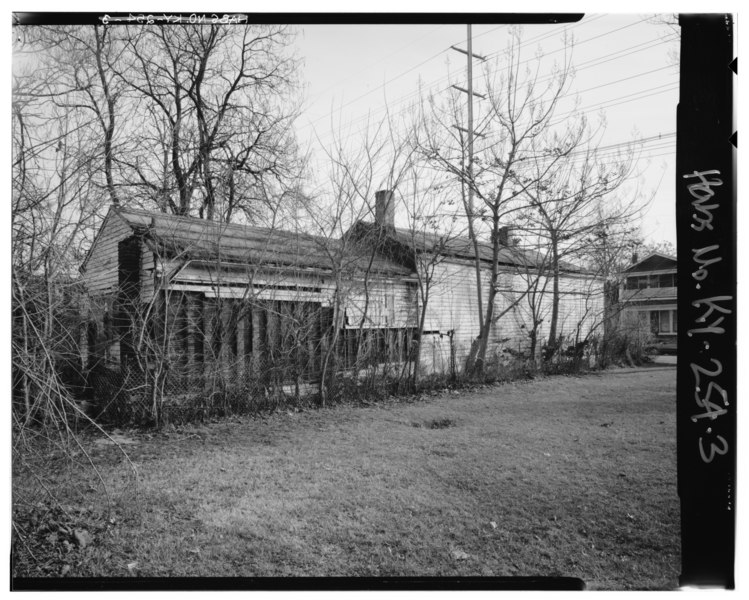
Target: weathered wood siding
[243,282]
[102,280]
[101,274]
[452,315]
[383,304]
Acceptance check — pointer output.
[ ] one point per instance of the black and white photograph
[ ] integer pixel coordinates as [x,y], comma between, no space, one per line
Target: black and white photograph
[372,301]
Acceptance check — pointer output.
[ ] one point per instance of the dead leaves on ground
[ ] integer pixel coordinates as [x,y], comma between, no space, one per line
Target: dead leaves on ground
[56,535]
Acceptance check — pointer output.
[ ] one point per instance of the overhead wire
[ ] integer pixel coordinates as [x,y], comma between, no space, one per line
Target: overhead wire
[384,58]
[412,95]
[587,110]
[654,147]
[609,151]
[596,62]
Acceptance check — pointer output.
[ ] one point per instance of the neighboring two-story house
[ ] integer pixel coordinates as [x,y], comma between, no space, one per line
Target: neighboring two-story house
[648,297]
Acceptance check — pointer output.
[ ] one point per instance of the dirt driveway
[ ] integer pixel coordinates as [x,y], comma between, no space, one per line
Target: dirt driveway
[567,476]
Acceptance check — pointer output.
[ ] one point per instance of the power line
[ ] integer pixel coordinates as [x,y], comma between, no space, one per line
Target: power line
[653,152]
[598,61]
[414,94]
[378,61]
[640,95]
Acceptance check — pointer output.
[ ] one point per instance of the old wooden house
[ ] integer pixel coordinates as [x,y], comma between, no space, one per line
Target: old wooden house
[198,297]
[203,298]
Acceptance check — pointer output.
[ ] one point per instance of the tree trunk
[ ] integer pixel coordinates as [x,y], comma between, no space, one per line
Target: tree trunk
[552,343]
[109,126]
[419,338]
[323,389]
[534,341]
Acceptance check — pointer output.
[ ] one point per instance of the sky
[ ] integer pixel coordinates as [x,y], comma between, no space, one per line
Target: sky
[626,69]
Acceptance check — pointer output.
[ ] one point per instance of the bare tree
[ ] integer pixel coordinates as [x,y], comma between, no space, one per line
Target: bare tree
[377,160]
[191,119]
[516,117]
[53,204]
[427,238]
[68,67]
[215,136]
[565,206]
[534,283]
[214,107]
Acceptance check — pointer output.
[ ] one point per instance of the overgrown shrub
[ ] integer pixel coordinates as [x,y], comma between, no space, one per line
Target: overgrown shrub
[625,345]
[218,389]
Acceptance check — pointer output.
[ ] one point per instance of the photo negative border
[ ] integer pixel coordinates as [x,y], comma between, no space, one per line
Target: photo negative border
[706,264]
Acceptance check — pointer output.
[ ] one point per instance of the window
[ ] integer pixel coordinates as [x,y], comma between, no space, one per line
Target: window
[667,321]
[660,322]
[666,280]
[639,282]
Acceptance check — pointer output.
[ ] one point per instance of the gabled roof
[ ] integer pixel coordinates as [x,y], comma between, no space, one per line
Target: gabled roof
[200,239]
[655,261]
[461,247]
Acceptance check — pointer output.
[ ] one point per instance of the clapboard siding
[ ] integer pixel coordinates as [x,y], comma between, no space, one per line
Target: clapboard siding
[452,315]
[388,304]
[147,273]
[101,272]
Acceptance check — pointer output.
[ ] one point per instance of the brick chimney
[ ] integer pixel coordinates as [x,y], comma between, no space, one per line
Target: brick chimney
[504,235]
[385,209]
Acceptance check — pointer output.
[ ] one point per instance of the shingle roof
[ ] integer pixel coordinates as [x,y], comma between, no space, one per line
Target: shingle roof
[194,238]
[201,239]
[463,248]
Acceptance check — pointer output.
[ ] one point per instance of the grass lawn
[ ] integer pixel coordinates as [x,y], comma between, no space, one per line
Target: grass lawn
[567,476]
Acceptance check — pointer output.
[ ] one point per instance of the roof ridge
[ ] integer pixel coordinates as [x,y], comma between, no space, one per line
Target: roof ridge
[207,223]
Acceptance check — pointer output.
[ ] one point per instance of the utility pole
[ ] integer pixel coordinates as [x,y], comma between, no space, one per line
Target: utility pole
[469,57]
[469,91]
[469,170]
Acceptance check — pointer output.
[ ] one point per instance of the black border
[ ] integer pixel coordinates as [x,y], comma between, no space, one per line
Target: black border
[294,18]
[299,583]
[706,221]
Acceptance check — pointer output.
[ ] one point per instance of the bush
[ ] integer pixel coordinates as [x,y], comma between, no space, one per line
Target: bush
[624,346]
